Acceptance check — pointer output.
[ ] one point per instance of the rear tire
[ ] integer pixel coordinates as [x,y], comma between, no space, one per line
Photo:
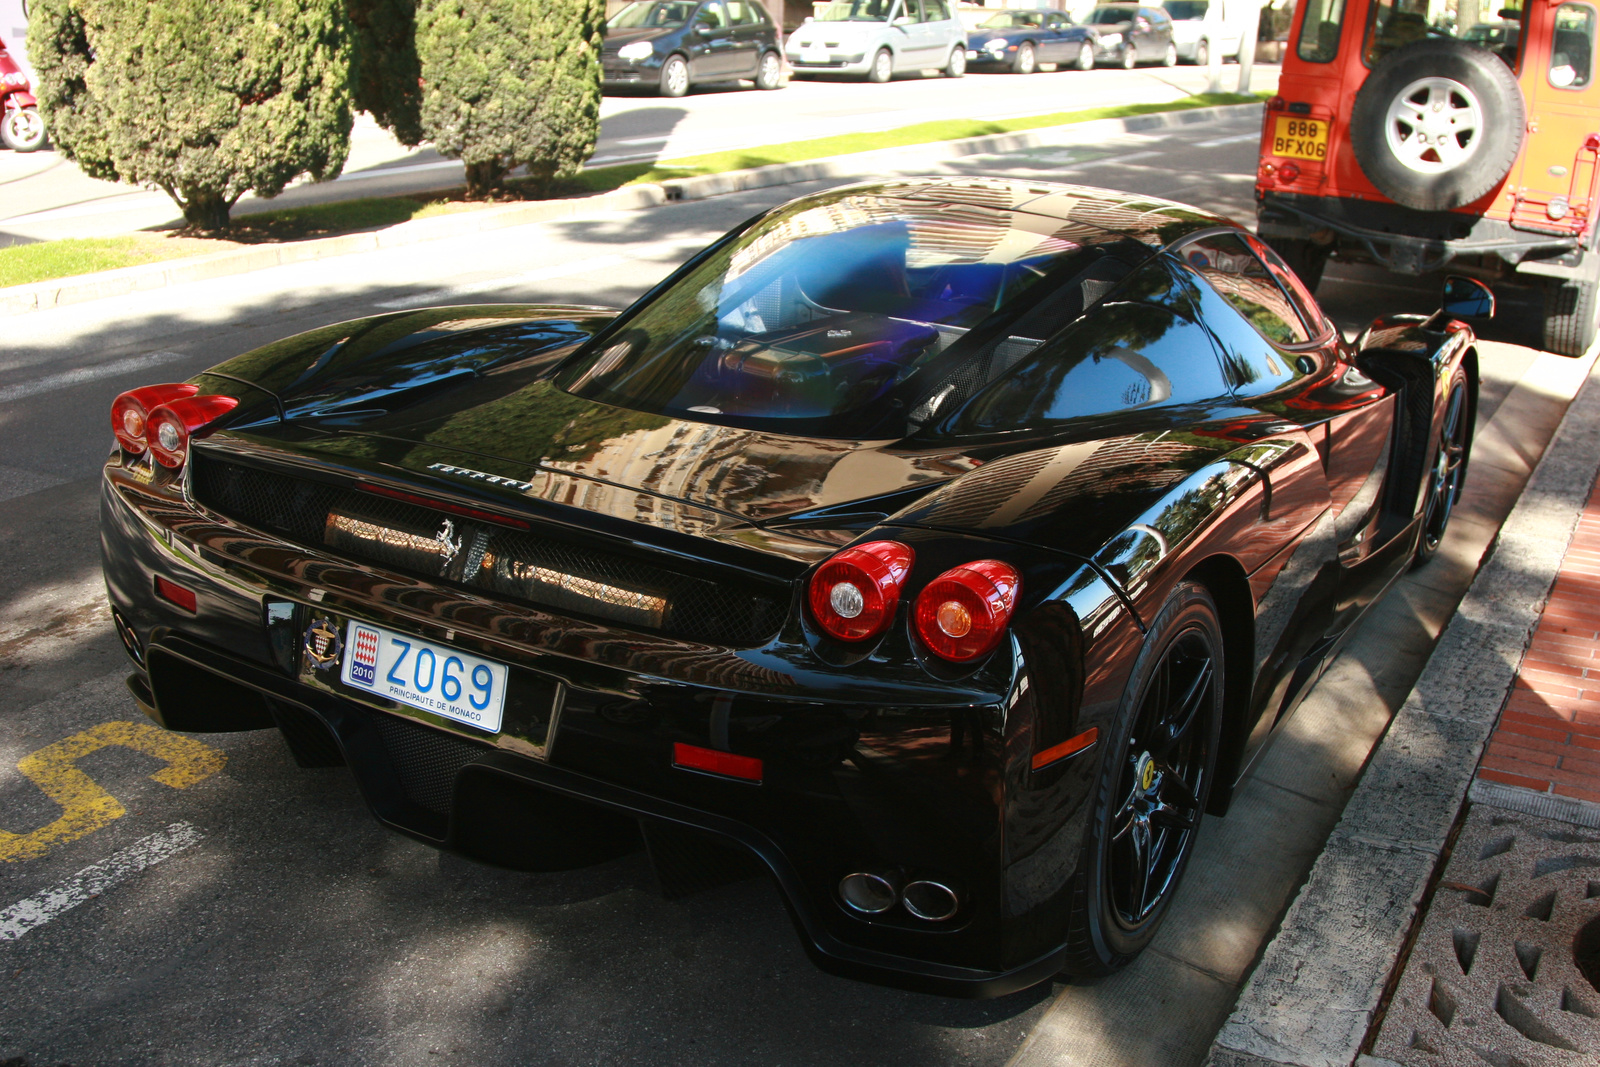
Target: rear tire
[1026,61]
[1086,56]
[882,68]
[1155,778]
[1572,311]
[1169,58]
[956,66]
[769,75]
[22,130]
[1130,57]
[1202,54]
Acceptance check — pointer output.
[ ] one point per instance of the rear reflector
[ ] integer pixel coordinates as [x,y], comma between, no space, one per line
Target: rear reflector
[175,594]
[1069,747]
[709,760]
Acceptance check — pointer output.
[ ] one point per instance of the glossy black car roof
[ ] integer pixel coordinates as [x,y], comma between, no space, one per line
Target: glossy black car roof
[1149,220]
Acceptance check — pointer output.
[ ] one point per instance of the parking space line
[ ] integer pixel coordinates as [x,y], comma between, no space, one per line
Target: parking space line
[85,807]
[92,881]
[1238,138]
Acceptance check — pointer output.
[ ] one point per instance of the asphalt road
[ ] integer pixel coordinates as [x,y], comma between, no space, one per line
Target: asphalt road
[45,196]
[244,911]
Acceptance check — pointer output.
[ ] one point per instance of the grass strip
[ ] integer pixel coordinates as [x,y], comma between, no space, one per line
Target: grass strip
[42,261]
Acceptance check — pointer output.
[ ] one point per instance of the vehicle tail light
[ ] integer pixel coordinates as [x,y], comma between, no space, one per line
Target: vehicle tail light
[173,424]
[962,614]
[1289,173]
[130,412]
[854,594]
[173,593]
[714,761]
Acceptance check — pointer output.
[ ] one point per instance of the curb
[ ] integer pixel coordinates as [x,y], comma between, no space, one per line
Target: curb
[60,292]
[1315,992]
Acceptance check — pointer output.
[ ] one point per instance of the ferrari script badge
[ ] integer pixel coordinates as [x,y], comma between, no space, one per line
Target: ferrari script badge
[322,642]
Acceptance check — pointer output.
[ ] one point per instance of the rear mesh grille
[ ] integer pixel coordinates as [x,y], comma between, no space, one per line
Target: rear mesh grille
[426,760]
[530,567]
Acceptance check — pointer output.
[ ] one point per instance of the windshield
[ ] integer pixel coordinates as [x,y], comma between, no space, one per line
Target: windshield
[1010,20]
[662,13]
[1184,10]
[1393,23]
[1110,16]
[857,11]
[849,315]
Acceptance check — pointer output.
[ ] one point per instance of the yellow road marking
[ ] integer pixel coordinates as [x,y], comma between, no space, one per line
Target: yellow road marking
[85,807]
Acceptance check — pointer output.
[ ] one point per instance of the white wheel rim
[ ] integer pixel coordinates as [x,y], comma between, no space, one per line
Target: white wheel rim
[769,69]
[958,61]
[678,76]
[1130,58]
[1025,59]
[1086,56]
[1434,125]
[1172,54]
[883,65]
[26,127]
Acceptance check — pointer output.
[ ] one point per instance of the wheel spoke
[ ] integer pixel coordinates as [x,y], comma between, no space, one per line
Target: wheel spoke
[1173,791]
[1165,815]
[1141,858]
[1186,712]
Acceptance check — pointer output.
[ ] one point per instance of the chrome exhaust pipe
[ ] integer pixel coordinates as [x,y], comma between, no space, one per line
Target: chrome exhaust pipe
[870,892]
[930,901]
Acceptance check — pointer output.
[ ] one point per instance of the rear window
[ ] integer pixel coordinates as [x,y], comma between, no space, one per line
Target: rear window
[1319,33]
[849,316]
[1392,23]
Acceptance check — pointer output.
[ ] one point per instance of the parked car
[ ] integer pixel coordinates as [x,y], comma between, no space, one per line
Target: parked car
[21,128]
[1130,34]
[1019,40]
[876,39]
[1201,27]
[1393,141]
[944,547]
[670,45]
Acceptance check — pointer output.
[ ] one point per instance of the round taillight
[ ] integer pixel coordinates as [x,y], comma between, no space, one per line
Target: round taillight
[130,412]
[854,594]
[170,427]
[1289,173]
[963,613]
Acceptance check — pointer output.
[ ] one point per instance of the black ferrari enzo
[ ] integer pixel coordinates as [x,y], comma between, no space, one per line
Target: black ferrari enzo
[944,548]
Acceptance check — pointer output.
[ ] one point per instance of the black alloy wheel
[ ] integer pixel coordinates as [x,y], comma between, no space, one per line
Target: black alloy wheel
[1153,788]
[1448,470]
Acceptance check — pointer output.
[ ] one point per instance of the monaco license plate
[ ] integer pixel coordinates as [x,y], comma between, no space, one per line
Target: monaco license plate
[422,675]
[1300,138]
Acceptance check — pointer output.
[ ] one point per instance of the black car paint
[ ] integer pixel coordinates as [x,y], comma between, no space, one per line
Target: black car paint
[729,51]
[1058,44]
[876,755]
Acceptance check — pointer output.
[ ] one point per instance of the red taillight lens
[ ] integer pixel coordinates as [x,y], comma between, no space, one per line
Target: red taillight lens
[712,761]
[854,594]
[173,424]
[1289,173]
[962,614]
[173,593]
[130,412]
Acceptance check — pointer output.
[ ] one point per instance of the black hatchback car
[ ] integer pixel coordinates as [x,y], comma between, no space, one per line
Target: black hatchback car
[1130,34]
[670,45]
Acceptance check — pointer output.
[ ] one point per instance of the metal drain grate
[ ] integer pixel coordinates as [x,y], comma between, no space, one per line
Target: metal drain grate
[1493,980]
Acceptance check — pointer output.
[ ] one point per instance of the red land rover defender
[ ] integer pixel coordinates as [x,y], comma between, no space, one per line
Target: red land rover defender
[1420,133]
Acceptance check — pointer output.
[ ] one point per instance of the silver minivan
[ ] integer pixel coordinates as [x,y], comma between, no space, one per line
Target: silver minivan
[876,39]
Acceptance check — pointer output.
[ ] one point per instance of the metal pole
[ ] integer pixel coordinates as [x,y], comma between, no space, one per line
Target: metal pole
[1247,47]
[1214,50]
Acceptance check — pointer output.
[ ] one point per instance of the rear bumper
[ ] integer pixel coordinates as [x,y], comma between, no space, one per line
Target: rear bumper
[604,746]
[1404,240]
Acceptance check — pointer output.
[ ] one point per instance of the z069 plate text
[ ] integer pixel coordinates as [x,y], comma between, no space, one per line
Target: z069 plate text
[426,676]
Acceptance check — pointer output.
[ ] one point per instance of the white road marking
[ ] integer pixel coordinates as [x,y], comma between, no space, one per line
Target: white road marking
[644,140]
[581,266]
[90,882]
[50,383]
[1129,158]
[1238,138]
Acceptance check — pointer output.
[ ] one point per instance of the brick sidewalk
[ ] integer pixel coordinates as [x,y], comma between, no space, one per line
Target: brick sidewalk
[1548,737]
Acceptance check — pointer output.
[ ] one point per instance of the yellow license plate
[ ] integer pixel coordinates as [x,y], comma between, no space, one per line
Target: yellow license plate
[1300,138]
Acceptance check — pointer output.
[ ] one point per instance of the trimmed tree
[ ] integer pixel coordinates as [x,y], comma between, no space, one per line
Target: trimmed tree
[511,83]
[203,99]
[385,74]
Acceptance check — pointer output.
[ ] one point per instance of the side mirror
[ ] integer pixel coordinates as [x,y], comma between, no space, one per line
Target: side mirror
[1466,298]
